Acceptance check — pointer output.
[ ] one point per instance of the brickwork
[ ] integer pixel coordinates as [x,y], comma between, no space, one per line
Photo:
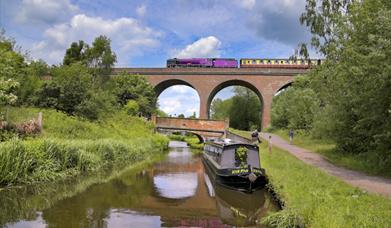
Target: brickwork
[265,82]
[202,127]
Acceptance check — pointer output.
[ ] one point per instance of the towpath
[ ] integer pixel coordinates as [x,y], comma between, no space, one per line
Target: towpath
[370,183]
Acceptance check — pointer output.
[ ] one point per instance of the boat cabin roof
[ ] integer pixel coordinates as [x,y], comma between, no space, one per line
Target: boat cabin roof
[229,143]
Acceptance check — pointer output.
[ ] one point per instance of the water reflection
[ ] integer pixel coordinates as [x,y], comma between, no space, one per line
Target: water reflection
[128,218]
[173,192]
[176,185]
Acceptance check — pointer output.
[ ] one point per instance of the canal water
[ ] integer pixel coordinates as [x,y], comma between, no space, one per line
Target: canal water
[174,192]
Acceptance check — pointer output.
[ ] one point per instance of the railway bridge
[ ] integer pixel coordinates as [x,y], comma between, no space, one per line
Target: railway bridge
[265,82]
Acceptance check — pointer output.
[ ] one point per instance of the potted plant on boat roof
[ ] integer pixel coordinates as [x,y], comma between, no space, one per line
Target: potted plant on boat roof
[241,157]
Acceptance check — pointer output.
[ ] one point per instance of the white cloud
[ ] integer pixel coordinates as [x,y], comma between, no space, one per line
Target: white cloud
[141,10]
[170,105]
[128,37]
[180,89]
[204,47]
[179,99]
[291,7]
[45,11]
[246,4]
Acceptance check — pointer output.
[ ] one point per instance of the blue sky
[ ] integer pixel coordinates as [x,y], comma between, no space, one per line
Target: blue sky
[146,33]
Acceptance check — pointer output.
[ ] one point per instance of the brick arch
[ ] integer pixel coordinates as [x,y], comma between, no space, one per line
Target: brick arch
[286,85]
[163,85]
[234,82]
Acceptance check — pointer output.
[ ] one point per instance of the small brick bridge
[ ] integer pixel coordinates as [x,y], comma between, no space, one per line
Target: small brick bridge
[202,128]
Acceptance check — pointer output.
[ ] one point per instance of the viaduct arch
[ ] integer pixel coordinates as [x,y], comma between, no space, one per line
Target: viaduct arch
[265,82]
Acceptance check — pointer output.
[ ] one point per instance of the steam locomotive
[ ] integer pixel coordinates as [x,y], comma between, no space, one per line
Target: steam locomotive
[244,63]
[203,62]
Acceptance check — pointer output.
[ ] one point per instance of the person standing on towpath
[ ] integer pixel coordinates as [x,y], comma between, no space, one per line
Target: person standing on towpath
[291,136]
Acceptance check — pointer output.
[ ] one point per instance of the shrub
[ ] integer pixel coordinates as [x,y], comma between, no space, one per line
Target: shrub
[132,108]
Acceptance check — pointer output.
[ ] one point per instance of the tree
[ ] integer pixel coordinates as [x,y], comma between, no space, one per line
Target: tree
[76,53]
[135,87]
[181,116]
[7,90]
[220,108]
[75,81]
[243,109]
[161,113]
[68,88]
[31,81]
[11,61]
[352,87]
[193,116]
[245,113]
[100,57]
[330,25]
[12,66]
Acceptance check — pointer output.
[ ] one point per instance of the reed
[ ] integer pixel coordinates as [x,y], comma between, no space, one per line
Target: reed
[70,147]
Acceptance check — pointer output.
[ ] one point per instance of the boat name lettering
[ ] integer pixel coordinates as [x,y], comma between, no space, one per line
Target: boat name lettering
[237,171]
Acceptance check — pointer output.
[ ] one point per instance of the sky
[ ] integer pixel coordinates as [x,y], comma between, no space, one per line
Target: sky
[147,33]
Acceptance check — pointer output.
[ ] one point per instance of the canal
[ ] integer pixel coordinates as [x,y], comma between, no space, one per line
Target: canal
[175,191]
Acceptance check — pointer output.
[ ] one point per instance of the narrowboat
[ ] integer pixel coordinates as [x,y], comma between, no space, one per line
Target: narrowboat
[234,165]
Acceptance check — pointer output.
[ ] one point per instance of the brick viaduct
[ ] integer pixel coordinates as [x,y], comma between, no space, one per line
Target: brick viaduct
[265,82]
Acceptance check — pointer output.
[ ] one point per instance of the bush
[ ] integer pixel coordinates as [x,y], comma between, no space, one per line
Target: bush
[96,105]
[132,108]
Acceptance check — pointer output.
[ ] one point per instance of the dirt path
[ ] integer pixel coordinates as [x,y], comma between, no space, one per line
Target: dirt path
[370,183]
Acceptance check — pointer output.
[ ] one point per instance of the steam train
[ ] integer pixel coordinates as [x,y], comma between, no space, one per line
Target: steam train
[244,63]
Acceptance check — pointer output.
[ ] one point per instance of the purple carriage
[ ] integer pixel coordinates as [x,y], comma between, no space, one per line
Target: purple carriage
[203,62]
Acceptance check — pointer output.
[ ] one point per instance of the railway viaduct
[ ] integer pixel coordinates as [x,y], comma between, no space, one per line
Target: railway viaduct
[265,82]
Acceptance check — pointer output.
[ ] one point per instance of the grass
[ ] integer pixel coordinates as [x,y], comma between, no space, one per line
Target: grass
[312,198]
[245,134]
[70,147]
[366,162]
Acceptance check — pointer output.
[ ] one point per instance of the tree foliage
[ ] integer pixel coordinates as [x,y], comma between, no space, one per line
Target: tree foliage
[132,108]
[220,109]
[295,108]
[353,86]
[76,53]
[135,87]
[75,87]
[7,88]
[243,109]
[71,90]
[99,58]
[11,65]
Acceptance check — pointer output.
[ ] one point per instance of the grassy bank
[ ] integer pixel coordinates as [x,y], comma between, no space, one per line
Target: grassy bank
[313,198]
[69,146]
[245,134]
[366,162]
